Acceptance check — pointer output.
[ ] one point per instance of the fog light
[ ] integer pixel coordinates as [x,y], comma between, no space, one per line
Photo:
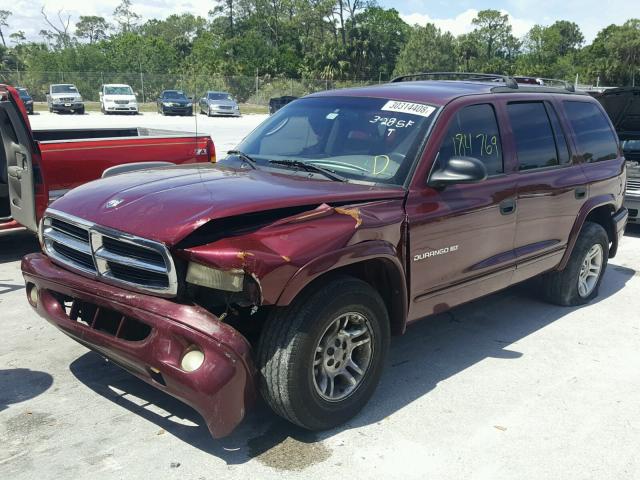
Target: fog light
[32,295]
[192,360]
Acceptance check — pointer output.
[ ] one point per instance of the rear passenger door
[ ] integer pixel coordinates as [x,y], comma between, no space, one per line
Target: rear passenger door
[461,237]
[551,188]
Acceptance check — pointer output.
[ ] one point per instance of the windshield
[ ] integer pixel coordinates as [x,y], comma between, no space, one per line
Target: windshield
[219,96]
[23,92]
[123,90]
[63,89]
[368,139]
[174,95]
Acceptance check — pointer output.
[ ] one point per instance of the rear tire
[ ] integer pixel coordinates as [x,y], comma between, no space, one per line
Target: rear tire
[320,359]
[578,283]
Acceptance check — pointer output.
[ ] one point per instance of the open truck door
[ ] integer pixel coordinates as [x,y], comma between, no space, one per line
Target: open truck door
[16,162]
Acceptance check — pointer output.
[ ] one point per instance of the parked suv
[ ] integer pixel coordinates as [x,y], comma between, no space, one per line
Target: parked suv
[344,217]
[65,97]
[118,98]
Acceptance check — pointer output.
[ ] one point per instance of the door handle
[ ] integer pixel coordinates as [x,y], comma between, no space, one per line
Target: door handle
[15,172]
[508,206]
[581,192]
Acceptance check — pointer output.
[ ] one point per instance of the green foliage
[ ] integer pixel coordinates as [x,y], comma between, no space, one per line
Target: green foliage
[323,43]
[428,49]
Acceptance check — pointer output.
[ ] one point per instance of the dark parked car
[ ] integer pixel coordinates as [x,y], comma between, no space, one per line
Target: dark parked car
[174,102]
[346,216]
[277,103]
[26,99]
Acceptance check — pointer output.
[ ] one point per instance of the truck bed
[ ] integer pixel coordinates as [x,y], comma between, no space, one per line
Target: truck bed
[53,135]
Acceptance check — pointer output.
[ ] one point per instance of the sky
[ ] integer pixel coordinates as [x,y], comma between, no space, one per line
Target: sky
[590,15]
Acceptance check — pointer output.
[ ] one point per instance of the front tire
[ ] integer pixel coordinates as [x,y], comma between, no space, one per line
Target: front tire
[321,358]
[578,283]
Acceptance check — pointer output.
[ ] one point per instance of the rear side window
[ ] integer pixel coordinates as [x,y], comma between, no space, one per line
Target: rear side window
[473,132]
[594,137]
[535,142]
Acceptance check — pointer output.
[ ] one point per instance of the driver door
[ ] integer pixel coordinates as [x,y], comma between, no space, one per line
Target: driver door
[461,237]
[19,173]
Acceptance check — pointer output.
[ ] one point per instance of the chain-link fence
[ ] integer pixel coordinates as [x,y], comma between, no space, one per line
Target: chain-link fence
[147,86]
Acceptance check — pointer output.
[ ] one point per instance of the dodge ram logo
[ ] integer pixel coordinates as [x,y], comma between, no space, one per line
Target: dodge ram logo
[113,203]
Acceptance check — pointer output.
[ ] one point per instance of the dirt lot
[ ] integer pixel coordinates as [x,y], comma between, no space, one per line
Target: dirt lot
[505,387]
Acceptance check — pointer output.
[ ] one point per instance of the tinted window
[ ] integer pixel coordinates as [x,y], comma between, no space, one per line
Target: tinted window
[535,143]
[594,137]
[561,139]
[473,132]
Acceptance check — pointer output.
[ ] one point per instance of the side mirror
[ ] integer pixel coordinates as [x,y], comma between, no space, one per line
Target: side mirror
[458,170]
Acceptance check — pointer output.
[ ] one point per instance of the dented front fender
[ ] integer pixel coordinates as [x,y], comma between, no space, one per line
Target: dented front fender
[286,254]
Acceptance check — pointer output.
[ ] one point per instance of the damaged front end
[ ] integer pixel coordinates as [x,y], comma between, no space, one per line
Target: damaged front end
[195,343]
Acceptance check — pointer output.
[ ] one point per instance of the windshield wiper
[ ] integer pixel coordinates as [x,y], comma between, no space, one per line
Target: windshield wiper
[309,167]
[244,157]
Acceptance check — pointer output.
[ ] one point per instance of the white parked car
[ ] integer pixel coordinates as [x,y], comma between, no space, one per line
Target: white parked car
[118,98]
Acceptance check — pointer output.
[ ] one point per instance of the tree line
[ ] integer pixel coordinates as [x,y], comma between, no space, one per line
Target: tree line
[314,39]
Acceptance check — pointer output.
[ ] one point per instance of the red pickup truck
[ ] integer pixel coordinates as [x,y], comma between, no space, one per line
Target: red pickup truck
[37,167]
[343,218]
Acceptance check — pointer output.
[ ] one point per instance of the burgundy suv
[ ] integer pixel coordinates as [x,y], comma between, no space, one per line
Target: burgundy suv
[347,215]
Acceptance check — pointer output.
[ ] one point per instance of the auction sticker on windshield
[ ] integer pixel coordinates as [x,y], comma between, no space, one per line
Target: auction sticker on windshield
[407,107]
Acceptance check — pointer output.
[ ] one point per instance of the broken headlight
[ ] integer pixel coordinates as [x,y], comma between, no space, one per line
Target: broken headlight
[227,280]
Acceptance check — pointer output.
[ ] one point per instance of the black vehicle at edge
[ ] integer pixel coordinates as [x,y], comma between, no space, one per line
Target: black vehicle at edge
[26,99]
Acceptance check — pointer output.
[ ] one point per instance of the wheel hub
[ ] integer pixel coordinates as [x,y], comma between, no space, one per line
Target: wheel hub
[590,270]
[342,356]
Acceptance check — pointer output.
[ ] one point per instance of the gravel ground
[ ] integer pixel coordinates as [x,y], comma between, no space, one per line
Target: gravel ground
[504,387]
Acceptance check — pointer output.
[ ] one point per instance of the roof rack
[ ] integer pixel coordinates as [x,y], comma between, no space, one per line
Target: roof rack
[569,87]
[493,77]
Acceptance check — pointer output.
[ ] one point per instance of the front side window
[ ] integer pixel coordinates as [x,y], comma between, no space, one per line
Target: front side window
[594,136]
[474,132]
[365,139]
[535,142]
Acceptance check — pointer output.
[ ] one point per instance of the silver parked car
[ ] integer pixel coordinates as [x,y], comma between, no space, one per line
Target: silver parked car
[219,103]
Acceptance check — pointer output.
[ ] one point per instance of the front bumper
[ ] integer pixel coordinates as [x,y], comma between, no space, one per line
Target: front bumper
[159,333]
[223,111]
[67,107]
[118,108]
[177,110]
[632,203]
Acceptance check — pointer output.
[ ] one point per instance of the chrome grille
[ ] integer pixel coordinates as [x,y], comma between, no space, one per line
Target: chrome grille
[633,186]
[109,255]
[121,102]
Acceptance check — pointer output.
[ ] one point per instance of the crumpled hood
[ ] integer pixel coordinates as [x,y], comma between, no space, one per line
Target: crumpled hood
[168,204]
